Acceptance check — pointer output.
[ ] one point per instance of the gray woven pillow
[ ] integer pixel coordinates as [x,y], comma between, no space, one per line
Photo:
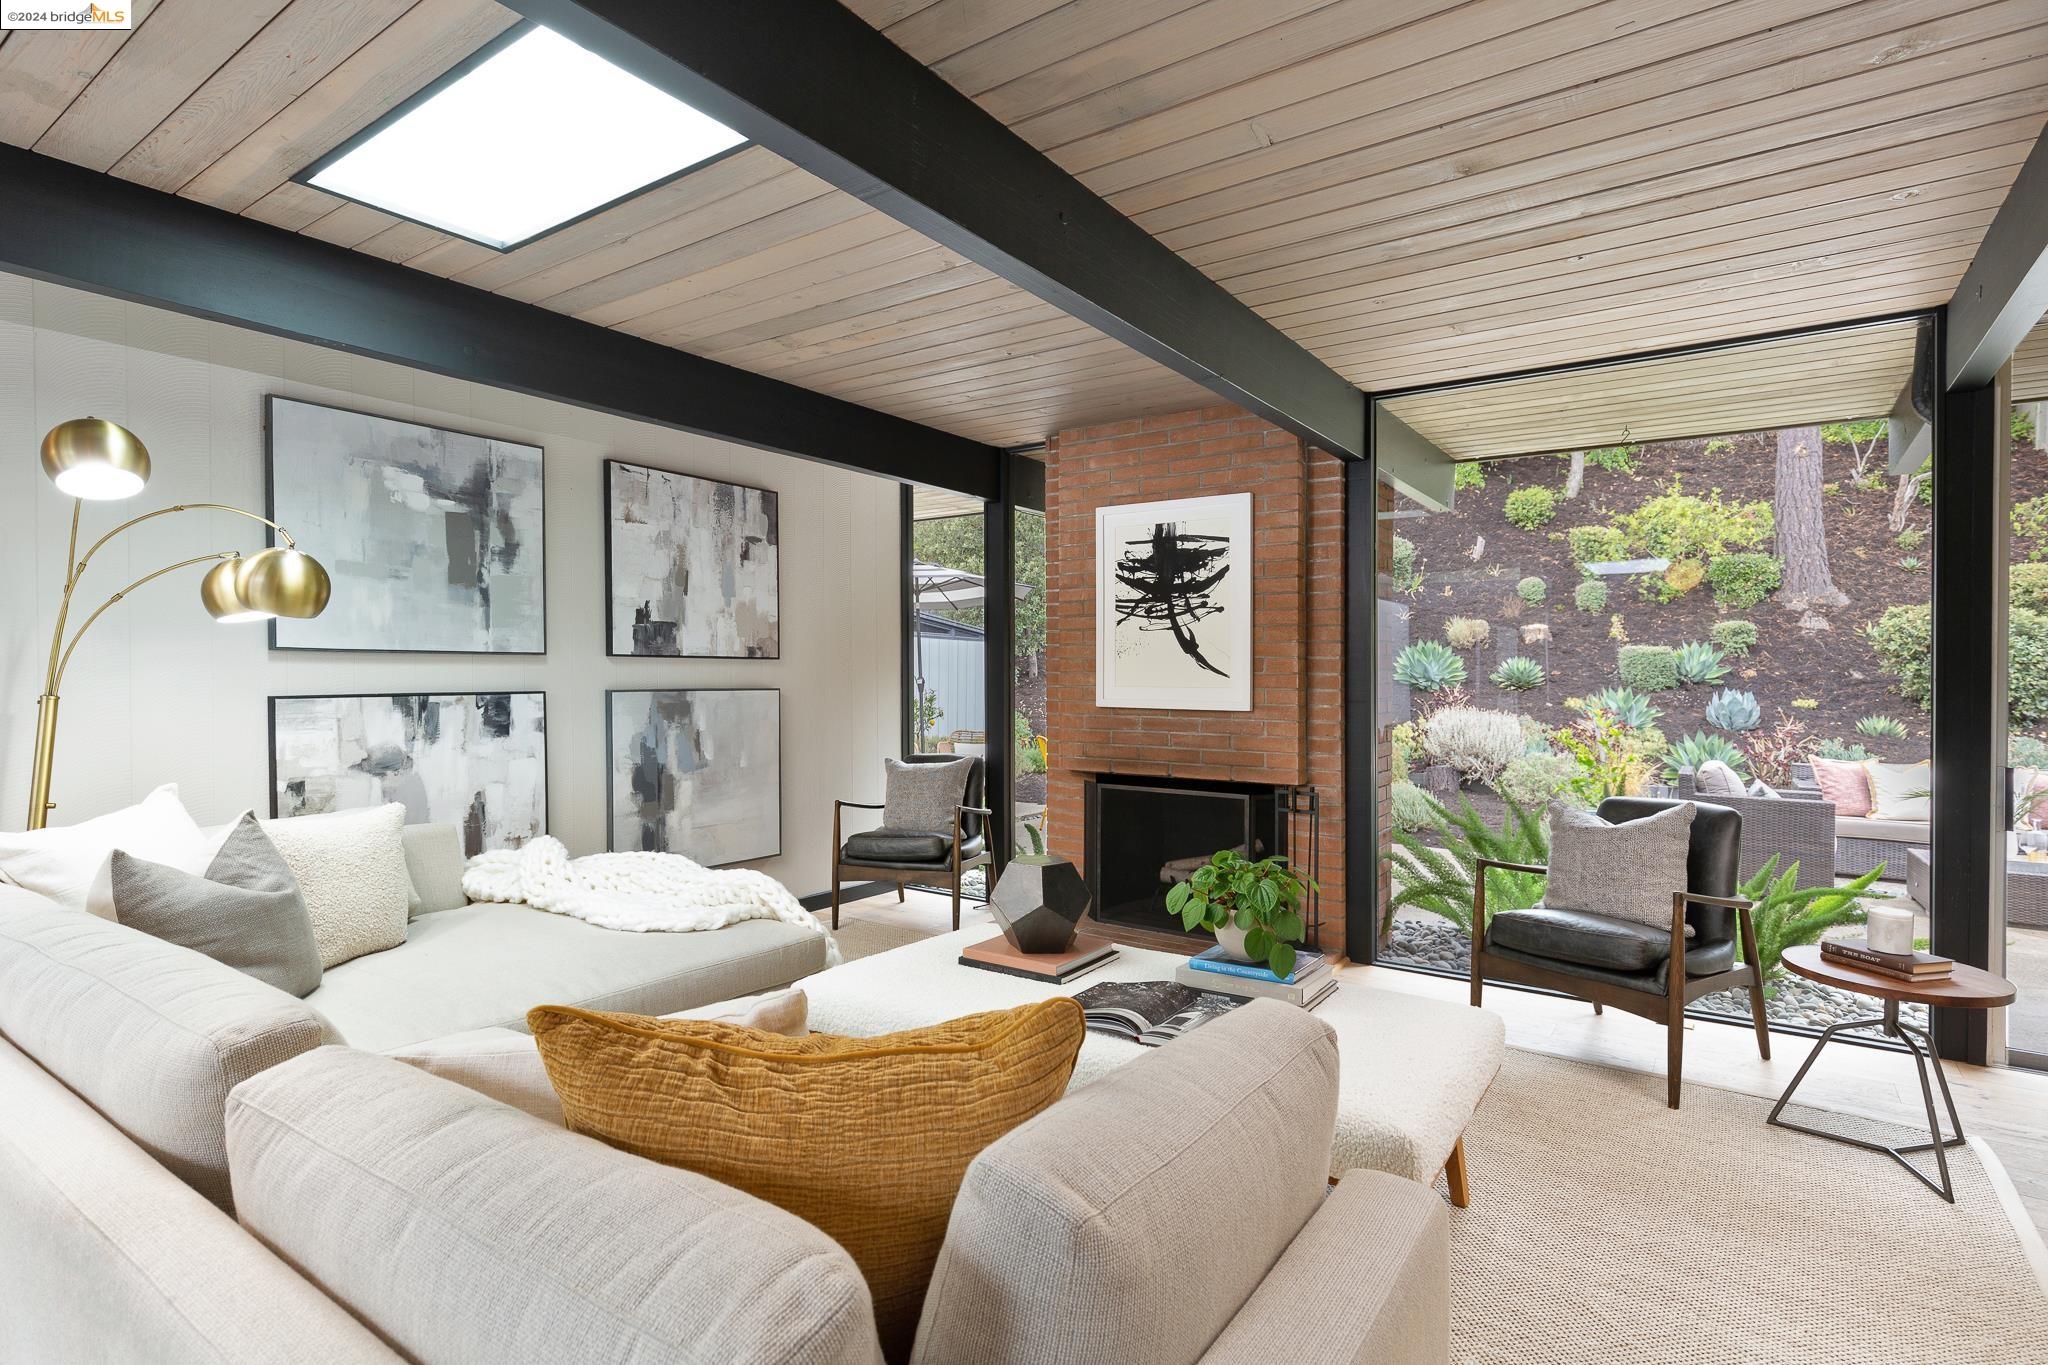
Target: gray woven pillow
[246,912]
[1627,871]
[923,796]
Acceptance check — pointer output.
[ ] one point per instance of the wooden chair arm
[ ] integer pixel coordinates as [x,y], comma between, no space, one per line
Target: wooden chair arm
[1479,866]
[1728,902]
[983,811]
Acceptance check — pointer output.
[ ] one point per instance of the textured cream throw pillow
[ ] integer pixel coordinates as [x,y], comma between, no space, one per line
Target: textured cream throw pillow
[351,869]
[1626,871]
[71,865]
[1898,791]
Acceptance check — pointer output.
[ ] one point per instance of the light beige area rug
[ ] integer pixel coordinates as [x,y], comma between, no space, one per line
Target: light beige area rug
[1607,1228]
[865,937]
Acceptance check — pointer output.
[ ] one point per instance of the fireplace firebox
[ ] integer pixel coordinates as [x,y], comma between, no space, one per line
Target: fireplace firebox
[1146,833]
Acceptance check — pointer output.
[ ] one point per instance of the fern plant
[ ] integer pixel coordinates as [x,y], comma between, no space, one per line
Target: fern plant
[1440,880]
[1701,747]
[1628,707]
[1699,662]
[1787,917]
[1518,675]
[1881,727]
[1428,666]
[1732,710]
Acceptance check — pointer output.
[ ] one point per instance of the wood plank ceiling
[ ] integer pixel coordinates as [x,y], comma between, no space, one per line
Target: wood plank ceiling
[1417,190]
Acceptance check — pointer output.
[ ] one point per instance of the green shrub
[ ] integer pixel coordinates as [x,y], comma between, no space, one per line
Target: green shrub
[1596,544]
[2027,586]
[1910,539]
[1518,675]
[1720,445]
[1618,459]
[1841,752]
[1590,595]
[1404,556]
[1468,474]
[1732,710]
[1405,740]
[2025,751]
[2023,425]
[1881,727]
[1701,747]
[1677,525]
[1428,666]
[1466,632]
[1744,579]
[1647,668]
[1699,662]
[2030,521]
[1532,590]
[2026,683]
[1903,641]
[1902,638]
[1534,779]
[1680,577]
[1530,507]
[1414,808]
[1737,637]
[1631,710]
[1476,741]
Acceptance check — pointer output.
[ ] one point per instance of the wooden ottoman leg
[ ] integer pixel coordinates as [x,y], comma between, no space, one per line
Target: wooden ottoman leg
[1454,1176]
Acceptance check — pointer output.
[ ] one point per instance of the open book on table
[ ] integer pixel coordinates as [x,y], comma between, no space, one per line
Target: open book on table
[1151,1012]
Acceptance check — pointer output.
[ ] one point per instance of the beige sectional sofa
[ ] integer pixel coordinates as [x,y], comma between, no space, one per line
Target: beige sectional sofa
[195,1168]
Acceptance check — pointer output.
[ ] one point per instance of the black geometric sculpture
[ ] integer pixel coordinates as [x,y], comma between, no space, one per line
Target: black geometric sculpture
[1038,901]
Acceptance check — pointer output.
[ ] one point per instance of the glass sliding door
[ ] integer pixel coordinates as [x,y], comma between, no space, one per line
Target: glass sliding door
[2025,931]
[1027,663]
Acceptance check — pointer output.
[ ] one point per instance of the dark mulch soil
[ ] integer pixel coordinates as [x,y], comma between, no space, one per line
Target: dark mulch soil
[1835,668]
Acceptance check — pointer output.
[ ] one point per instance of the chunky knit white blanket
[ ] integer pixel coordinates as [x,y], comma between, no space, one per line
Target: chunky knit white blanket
[635,892]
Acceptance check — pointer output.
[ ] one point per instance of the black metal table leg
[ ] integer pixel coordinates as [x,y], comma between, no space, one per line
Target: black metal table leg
[1924,1057]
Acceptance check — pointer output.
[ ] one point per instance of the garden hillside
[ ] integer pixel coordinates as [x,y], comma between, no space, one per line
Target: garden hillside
[1756,597]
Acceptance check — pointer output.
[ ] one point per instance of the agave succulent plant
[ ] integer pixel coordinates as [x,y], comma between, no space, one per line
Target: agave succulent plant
[1881,727]
[1700,662]
[1732,710]
[1627,706]
[1702,747]
[1518,674]
[1428,666]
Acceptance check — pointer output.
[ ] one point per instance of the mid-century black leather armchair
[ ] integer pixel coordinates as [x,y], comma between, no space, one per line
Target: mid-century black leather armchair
[916,857]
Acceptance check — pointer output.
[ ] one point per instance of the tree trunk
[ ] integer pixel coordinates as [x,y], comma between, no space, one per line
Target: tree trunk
[1802,527]
[1577,475]
[1903,498]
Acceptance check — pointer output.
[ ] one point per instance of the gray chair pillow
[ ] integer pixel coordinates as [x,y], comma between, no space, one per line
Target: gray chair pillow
[246,912]
[924,796]
[1627,871]
[1716,778]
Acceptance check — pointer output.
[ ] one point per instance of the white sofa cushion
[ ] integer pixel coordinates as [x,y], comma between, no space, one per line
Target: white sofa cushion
[69,864]
[1862,827]
[1900,791]
[464,1231]
[1120,1224]
[150,1034]
[433,862]
[485,965]
[106,1256]
[505,1063]
[351,870]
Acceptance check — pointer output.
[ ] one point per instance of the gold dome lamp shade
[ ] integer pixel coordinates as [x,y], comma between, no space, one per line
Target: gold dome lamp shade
[280,581]
[95,460]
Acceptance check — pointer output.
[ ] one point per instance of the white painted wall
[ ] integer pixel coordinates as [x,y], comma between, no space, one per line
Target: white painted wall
[159,692]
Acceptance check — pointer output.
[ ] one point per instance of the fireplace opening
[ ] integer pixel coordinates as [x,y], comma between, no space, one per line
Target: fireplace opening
[1147,833]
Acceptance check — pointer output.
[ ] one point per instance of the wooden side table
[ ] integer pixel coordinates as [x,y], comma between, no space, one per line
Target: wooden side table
[1965,988]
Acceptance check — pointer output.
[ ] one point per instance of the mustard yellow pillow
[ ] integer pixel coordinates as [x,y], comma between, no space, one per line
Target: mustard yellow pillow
[866,1138]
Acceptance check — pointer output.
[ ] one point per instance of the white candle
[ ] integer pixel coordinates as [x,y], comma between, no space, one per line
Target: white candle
[1889,929]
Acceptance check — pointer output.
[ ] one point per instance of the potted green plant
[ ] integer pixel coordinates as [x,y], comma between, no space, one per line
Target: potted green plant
[1253,907]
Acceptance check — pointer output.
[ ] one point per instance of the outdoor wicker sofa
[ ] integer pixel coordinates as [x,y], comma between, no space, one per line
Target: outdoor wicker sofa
[1862,843]
[1796,825]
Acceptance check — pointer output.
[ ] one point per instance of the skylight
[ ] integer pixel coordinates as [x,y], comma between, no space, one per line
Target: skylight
[536,135]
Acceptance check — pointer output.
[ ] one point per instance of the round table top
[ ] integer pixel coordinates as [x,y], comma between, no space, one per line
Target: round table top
[1966,987]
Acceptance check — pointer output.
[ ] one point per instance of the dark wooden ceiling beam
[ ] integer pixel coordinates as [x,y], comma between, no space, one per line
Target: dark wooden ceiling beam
[814,83]
[2005,290]
[78,227]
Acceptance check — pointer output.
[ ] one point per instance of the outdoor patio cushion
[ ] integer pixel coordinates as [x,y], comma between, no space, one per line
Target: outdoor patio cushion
[902,846]
[1580,936]
[1860,827]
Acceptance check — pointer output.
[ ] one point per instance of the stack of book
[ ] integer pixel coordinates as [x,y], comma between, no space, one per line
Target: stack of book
[1915,966]
[1308,985]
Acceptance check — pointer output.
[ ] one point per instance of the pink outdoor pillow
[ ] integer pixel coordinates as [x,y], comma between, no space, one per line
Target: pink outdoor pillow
[1845,784]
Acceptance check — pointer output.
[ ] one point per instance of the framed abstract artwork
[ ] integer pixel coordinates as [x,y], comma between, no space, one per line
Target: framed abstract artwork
[696,771]
[434,538]
[1173,604]
[692,566]
[478,761]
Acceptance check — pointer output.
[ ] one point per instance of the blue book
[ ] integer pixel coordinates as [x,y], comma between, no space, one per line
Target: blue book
[1213,960]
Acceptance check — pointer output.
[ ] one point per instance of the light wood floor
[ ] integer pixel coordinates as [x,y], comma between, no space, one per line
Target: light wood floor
[2005,1106]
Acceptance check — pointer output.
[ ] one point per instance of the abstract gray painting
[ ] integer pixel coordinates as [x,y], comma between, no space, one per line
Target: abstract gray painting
[691,566]
[477,761]
[697,772]
[433,537]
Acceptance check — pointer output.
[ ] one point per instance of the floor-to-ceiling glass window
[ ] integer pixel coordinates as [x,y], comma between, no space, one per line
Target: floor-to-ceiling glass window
[1737,611]
[947,696]
[1027,662]
[2026,865]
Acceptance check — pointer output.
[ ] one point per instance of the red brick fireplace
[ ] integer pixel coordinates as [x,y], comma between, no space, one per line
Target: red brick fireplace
[1293,735]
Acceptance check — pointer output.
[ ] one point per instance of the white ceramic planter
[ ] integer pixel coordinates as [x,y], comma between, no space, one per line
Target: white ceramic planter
[1231,939]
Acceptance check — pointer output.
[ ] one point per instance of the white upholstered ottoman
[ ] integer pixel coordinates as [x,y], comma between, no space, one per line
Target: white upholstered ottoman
[1411,1070]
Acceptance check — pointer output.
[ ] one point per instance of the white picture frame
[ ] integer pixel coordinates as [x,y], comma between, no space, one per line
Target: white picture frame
[1185,643]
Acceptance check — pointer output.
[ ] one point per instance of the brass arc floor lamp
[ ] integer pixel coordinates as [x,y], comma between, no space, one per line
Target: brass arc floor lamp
[91,460]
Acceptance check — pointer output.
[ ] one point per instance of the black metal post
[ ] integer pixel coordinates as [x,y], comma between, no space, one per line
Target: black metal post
[912,684]
[1969,663]
[1361,623]
[998,621]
